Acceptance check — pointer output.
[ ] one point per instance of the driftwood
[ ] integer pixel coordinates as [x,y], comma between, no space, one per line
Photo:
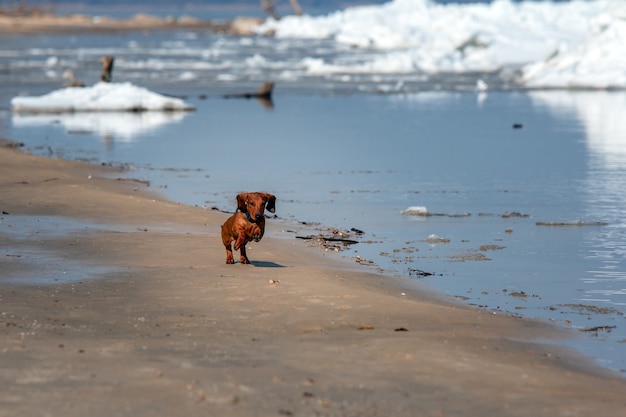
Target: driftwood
[598,329]
[571,224]
[265,91]
[11,144]
[263,95]
[107,68]
[296,7]
[269,8]
[329,239]
[73,81]
[419,273]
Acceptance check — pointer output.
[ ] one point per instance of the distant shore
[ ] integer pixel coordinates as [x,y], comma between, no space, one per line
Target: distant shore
[51,23]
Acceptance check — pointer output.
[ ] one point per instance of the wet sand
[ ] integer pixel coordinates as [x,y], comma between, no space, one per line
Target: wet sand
[165,327]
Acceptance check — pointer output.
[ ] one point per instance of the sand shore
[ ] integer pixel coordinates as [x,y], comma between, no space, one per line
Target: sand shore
[154,323]
[76,23]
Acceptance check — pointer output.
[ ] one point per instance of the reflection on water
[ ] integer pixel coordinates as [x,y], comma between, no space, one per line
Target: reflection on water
[603,194]
[109,126]
[604,188]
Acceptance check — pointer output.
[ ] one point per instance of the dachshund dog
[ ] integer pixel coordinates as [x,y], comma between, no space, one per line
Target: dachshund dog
[247,224]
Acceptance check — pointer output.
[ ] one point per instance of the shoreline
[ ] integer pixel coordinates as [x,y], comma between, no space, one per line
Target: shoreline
[81,23]
[163,325]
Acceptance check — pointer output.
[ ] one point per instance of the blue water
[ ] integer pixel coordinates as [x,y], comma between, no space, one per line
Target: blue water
[357,161]
[340,159]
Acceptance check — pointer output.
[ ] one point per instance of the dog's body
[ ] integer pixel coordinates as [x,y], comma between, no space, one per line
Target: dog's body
[247,224]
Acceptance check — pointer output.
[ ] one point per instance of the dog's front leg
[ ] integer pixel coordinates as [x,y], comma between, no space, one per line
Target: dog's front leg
[240,245]
[229,254]
[243,258]
[256,233]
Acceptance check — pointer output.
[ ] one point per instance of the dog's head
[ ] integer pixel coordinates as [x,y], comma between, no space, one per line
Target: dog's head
[255,204]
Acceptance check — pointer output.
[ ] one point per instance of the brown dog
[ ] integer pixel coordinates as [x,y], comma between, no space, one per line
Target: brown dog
[247,224]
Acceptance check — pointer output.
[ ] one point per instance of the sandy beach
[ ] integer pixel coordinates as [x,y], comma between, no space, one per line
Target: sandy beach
[165,327]
[77,23]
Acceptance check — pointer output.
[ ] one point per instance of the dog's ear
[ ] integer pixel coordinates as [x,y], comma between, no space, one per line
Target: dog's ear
[271,202]
[241,202]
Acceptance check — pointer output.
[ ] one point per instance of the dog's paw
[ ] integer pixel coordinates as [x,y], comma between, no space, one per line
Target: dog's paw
[244,260]
[230,261]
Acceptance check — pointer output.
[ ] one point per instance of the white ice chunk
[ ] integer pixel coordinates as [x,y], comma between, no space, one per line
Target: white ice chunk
[99,97]
[415,211]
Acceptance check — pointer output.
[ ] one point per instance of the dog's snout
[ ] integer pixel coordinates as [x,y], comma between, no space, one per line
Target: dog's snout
[258,216]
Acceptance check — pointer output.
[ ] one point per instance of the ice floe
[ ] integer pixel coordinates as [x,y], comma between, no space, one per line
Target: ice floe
[574,44]
[119,126]
[99,97]
[415,211]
